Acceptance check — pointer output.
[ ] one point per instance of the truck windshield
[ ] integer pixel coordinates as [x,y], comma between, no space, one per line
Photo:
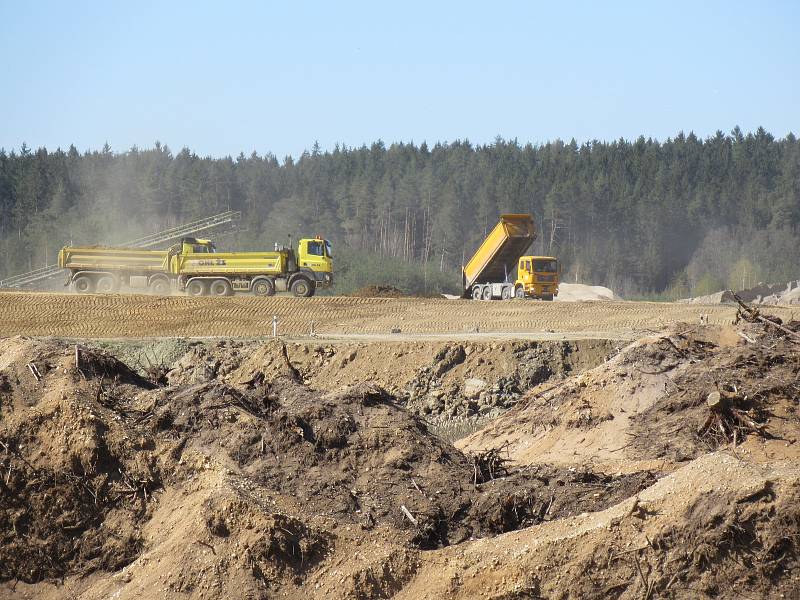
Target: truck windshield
[545,266]
[328,249]
[316,247]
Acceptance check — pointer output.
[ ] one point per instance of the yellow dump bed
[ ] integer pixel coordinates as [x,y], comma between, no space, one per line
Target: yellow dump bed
[500,251]
[224,263]
[99,258]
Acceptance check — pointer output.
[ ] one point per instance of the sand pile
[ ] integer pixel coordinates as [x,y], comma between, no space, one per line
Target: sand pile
[578,292]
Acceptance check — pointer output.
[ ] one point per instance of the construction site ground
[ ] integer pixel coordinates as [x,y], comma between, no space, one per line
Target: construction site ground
[121,315]
[171,448]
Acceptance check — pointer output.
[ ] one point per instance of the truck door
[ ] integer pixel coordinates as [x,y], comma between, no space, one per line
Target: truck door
[525,270]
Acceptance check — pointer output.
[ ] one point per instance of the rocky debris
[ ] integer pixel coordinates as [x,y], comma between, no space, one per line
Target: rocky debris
[435,395]
[776,294]
[473,387]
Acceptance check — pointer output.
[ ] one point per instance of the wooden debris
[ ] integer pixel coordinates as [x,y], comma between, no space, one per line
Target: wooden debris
[488,465]
[745,337]
[752,315]
[731,418]
[34,371]
[714,400]
[408,515]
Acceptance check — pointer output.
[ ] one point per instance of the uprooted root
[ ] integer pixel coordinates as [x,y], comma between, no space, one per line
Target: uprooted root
[731,419]
[488,465]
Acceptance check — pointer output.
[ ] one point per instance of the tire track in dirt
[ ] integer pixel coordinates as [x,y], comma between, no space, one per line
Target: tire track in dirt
[43,314]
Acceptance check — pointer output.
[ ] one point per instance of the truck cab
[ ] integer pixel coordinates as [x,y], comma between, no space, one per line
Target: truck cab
[197,246]
[315,254]
[537,277]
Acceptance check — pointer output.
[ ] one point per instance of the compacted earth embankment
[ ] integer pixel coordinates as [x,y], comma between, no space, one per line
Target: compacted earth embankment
[668,467]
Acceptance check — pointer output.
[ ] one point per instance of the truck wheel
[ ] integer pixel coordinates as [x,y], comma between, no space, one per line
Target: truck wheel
[547,297]
[83,284]
[507,293]
[263,287]
[487,292]
[301,287]
[519,292]
[196,287]
[105,285]
[220,287]
[476,293]
[160,287]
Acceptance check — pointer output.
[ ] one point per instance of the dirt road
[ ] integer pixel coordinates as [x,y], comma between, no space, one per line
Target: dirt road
[108,316]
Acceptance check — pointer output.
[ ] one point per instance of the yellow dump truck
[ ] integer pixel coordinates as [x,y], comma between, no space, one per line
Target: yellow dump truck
[489,273]
[195,267]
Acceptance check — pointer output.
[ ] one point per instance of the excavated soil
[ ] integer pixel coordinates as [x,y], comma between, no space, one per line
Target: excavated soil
[265,470]
[438,380]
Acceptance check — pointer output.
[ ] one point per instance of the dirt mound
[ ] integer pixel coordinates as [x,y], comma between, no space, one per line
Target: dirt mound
[647,407]
[717,528]
[76,476]
[103,472]
[378,291]
[432,379]
[670,470]
[578,292]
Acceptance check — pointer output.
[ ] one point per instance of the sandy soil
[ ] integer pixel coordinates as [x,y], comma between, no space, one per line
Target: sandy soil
[257,470]
[108,316]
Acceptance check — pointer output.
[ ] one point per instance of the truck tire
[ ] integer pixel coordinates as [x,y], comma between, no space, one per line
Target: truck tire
[477,294]
[106,284]
[487,292]
[519,292]
[302,287]
[263,287]
[196,287]
[507,293]
[220,287]
[160,287]
[83,284]
[547,297]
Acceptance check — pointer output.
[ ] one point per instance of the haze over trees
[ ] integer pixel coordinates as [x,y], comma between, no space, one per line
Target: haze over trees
[681,217]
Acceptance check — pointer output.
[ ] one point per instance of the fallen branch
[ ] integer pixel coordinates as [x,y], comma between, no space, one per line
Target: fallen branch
[753,314]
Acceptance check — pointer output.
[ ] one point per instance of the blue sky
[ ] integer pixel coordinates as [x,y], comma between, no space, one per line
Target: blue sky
[230,77]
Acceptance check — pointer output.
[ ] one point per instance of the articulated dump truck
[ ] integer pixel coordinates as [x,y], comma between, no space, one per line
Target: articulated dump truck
[489,273]
[196,268]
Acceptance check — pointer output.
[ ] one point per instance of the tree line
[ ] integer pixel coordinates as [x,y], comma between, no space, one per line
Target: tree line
[645,217]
